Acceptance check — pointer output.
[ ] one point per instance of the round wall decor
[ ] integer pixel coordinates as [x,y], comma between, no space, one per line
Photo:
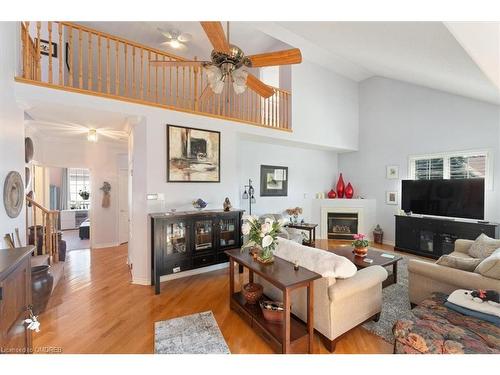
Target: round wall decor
[28,149]
[27,177]
[13,194]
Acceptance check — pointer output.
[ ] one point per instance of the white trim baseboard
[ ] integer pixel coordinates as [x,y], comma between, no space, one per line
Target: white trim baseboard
[141,281]
[196,271]
[104,245]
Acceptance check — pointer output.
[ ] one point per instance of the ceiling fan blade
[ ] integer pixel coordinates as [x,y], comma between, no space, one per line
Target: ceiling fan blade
[259,87]
[215,34]
[285,57]
[161,63]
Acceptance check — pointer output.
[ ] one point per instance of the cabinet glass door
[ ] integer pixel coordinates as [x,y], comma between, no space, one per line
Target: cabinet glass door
[203,235]
[228,232]
[176,233]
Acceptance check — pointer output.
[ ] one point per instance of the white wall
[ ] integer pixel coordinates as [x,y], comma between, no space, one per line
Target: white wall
[310,171]
[103,160]
[11,125]
[399,119]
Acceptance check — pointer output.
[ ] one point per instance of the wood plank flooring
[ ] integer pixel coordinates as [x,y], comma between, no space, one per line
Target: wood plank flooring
[96,309]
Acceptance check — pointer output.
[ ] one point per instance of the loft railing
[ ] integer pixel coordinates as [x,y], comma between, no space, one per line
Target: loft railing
[43,232]
[76,58]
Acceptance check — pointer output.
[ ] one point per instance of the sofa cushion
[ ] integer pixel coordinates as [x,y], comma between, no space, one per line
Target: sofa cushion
[490,266]
[325,263]
[461,263]
[483,246]
[458,254]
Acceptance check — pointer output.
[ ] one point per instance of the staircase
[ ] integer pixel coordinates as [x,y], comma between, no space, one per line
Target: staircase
[42,231]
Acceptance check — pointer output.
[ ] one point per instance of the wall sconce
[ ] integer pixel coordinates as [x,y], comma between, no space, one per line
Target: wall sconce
[249,195]
[92,135]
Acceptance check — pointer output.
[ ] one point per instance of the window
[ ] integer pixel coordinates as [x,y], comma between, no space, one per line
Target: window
[78,180]
[450,165]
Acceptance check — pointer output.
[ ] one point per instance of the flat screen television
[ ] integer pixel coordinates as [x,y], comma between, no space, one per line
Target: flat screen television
[463,198]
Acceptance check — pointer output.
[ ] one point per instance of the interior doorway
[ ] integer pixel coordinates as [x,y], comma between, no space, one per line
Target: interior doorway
[123,221]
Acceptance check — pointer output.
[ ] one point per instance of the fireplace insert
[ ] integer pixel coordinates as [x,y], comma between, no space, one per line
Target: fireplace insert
[342,225]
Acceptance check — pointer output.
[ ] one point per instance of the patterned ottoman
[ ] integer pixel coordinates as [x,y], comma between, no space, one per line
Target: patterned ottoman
[435,329]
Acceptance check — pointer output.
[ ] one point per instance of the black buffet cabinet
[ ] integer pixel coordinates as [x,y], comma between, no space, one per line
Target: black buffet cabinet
[192,239]
[433,237]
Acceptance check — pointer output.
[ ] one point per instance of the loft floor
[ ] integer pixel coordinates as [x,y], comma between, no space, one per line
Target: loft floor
[96,309]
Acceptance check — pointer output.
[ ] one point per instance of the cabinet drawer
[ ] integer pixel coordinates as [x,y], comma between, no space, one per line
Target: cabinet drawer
[203,261]
[177,266]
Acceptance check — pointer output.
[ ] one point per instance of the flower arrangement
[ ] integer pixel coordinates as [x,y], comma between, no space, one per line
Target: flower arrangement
[261,234]
[295,212]
[360,241]
[84,194]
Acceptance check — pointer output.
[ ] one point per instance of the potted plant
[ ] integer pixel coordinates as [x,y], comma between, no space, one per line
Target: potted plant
[84,193]
[262,235]
[360,244]
[294,212]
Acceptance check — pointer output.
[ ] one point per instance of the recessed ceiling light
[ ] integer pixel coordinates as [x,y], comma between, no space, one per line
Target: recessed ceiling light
[92,135]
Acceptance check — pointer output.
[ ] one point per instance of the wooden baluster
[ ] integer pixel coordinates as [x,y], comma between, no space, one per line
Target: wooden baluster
[99,63]
[48,236]
[35,237]
[177,86]
[134,92]
[285,109]
[49,28]
[142,75]
[163,87]
[156,79]
[70,57]
[26,38]
[202,87]
[183,87]
[60,31]
[56,231]
[148,82]
[80,60]
[44,238]
[117,68]
[89,61]
[190,88]
[125,72]
[24,49]
[171,93]
[108,67]
[38,55]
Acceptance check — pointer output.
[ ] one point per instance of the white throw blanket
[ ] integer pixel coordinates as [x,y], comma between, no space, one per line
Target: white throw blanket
[323,262]
[459,298]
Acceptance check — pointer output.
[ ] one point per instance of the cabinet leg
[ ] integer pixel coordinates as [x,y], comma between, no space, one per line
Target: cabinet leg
[240,269]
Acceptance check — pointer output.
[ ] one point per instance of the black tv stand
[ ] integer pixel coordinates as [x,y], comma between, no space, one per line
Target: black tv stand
[434,236]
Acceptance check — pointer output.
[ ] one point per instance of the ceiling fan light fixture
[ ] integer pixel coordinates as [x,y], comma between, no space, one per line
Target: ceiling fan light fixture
[215,78]
[92,135]
[239,77]
[175,44]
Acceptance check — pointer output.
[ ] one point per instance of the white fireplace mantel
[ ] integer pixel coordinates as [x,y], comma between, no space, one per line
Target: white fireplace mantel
[365,208]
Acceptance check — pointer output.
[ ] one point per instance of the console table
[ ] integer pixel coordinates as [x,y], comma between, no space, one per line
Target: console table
[292,335]
[311,228]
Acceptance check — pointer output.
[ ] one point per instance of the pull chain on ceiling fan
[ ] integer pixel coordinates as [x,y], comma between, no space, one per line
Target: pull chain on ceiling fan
[229,62]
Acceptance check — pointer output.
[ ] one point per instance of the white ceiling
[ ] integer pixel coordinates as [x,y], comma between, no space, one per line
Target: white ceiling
[422,53]
[56,121]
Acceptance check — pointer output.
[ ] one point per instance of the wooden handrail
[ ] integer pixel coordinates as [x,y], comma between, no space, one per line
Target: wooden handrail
[42,208]
[49,228]
[100,64]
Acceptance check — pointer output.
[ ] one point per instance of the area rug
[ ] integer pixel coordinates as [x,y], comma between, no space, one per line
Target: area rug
[395,304]
[191,334]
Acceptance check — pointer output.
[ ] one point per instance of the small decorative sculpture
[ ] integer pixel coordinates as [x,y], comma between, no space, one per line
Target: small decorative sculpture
[106,198]
[227,204]
[199,204]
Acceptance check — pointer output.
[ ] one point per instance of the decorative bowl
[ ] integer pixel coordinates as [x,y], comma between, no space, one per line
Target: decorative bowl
[252,292]
[199,204]
[272,311]
[360,251]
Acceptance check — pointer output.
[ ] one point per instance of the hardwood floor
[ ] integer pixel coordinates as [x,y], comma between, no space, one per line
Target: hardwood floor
[96,309]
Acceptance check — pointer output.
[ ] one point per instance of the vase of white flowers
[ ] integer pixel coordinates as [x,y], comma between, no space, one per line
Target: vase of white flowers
[261,234]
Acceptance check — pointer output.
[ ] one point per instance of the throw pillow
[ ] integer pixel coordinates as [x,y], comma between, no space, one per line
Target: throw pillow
[483,246]
[465,264]
[490,267]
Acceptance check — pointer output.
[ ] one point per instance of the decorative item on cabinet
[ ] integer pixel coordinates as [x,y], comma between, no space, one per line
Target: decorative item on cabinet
[227,204]
[272,311]
[378,235]
[106,198]
[199,204]
[294,212]
[340,187]
[349,191]
[252,292]
[332,194]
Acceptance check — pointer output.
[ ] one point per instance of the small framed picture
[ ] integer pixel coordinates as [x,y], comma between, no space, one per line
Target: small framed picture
[273,181]
[392,172]
[45,47]
[391,197]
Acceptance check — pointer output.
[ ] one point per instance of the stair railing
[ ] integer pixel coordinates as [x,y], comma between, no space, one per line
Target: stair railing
[44,224]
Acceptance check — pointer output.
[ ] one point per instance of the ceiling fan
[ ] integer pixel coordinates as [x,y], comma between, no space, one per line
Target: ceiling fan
[228,61]
[175,38]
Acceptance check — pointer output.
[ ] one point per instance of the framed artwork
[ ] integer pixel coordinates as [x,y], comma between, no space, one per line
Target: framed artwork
[193,155]
[392,172]
[273,181]
[45,47]
[391,197]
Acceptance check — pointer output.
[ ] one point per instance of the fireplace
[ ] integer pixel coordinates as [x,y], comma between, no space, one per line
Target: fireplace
[342,225]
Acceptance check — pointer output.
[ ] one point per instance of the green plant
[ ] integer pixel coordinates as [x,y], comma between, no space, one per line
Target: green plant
[360,241]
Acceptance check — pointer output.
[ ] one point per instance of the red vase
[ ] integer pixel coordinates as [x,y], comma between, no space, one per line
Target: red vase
[340,187]
[332,194]
[349,191]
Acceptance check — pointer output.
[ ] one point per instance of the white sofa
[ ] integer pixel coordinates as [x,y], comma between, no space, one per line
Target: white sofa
[343,298]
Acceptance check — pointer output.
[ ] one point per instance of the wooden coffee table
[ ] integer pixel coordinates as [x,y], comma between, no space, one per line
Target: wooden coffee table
[376,255]
[292,335]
